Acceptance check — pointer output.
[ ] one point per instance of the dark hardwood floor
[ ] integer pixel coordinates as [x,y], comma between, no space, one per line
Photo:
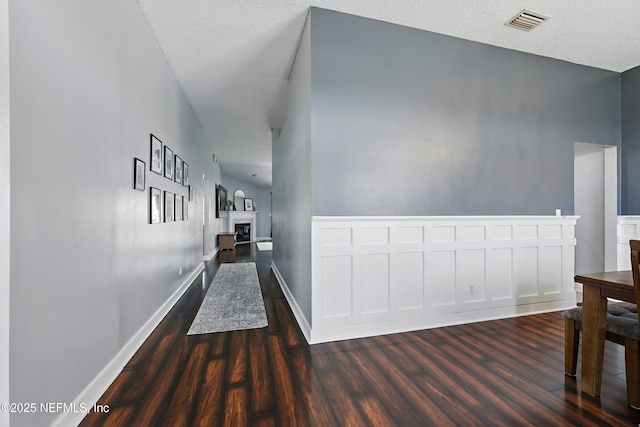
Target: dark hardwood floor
[500,373]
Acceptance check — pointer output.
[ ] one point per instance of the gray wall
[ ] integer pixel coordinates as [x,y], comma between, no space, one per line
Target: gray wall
[88,84]
[5,192]
[292,184]
[407,122]
[262,200]
[631,142]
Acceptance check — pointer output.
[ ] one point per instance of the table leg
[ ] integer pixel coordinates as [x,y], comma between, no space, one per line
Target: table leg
[594,321]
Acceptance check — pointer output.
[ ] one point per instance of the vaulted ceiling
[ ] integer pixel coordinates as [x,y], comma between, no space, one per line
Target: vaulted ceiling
[232,57]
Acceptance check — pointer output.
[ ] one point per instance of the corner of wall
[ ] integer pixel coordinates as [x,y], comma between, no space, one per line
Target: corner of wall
[292,175]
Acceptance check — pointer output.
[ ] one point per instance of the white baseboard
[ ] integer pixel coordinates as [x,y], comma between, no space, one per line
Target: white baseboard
[96,388]
[208,257]
[295,308]
[407,325]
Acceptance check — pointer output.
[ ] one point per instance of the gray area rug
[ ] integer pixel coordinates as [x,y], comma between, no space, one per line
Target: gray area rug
[233,301]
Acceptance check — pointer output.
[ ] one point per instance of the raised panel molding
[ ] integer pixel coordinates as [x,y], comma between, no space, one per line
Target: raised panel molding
[376,283]
[628,229]
[378,275]
[407,281]
[337,277]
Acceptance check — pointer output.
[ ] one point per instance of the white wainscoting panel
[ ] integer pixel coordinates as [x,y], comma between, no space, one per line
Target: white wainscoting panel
[377,275]
[628,229]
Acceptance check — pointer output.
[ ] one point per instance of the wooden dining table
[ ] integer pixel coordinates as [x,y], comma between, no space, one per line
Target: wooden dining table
[596,289]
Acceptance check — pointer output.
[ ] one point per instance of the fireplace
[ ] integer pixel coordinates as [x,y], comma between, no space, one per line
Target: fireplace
[231,218]
[244,232]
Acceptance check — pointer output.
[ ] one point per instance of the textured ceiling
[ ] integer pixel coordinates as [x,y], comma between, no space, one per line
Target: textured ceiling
[232,57]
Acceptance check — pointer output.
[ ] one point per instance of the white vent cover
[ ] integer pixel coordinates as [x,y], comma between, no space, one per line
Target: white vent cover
[527,20]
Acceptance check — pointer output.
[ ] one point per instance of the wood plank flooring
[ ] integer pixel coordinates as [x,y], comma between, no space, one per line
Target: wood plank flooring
[500,373]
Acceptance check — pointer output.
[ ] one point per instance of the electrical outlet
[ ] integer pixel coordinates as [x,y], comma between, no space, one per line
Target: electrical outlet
[471,289]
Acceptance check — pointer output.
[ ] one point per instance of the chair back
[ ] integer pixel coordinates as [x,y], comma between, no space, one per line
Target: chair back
[635,266]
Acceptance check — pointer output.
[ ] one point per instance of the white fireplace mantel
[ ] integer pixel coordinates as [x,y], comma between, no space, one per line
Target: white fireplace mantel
[231,218]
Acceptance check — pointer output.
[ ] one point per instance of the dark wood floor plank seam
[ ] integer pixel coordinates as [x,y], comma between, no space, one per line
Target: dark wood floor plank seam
[313,395]
[535,395]
[430,410]
[210,400]
[529,387]
[288,403]
[455,348]
[499,398]
[183,400]
[463,414]
[383,385]
[511,351]
[261,383]
[238,384]
[162,388]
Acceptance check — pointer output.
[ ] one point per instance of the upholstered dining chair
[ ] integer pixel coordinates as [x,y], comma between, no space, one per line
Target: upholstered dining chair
[622,328]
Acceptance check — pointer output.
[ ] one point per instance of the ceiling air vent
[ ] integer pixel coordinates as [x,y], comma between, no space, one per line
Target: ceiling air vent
[526,20]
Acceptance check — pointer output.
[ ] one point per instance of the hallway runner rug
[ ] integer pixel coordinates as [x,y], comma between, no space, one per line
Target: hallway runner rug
[233,301]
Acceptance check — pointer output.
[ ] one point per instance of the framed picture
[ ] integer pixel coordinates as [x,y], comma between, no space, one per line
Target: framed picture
[155,205]
[185,208]
[139,169]
[222,200]
[185,174]
[168,206]
[155,161]
[248,204]
[168,163]
[190,194]
[178,164]
[177,203]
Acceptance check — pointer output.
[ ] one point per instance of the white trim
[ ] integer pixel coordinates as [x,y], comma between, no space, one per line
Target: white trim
[295,308]
[380,275]
[231,218]
[96,388]
[628,229]
[211,255]
[407,325]
[466,218]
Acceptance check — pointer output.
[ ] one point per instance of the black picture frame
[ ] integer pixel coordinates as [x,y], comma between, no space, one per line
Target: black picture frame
[177,162]
[168,206]
[185,174]
[221,197]
[139,170]
[155,205]
[168,163]
[155,158]
[248,204]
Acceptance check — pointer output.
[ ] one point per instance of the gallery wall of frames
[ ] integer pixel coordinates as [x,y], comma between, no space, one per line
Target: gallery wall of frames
[164,205]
